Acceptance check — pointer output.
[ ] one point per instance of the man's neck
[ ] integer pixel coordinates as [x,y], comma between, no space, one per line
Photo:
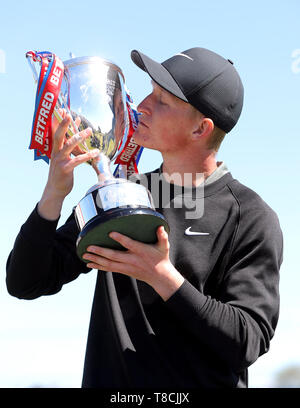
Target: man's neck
[181,171]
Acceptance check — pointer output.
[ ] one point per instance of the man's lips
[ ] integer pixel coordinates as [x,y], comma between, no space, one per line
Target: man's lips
[142,124]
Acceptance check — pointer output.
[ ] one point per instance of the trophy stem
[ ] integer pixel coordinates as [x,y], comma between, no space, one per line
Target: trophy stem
[101,165]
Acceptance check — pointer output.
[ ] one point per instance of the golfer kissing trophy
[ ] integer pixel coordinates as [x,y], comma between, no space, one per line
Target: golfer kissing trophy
[94,90]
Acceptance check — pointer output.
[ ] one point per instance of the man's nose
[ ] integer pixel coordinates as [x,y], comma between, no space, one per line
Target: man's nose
[144,106]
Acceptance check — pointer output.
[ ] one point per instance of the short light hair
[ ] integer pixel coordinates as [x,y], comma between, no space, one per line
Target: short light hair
[217,135]
[216,139]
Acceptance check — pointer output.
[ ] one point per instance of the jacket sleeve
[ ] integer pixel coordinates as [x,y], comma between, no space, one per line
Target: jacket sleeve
[43,258]
[238,323]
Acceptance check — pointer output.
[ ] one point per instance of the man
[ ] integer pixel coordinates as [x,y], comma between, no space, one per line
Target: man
[199,306]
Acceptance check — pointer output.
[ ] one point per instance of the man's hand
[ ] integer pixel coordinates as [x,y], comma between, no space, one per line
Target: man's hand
[145,262]
[60,177]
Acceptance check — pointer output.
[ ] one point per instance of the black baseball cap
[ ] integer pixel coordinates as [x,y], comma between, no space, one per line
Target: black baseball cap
[202,78]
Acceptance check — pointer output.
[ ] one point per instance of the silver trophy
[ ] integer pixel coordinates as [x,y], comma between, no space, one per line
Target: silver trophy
[94,90]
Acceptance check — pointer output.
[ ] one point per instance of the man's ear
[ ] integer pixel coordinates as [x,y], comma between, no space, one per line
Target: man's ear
[203,129]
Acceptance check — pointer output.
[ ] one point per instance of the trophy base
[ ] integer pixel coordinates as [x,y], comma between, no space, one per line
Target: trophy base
[139,224]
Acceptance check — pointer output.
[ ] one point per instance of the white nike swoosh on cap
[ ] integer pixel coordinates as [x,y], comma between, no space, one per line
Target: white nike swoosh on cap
[189,232]
[186,56]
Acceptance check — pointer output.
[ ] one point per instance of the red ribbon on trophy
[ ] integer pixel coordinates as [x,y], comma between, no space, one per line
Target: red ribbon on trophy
[49,84]
[130,154]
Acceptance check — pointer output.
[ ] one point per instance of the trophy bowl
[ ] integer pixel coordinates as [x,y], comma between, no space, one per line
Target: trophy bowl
[94,90]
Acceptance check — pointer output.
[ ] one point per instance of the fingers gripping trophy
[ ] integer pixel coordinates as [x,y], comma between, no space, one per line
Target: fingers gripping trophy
[92,90]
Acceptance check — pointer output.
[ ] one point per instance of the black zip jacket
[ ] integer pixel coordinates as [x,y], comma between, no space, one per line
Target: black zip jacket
[209,331]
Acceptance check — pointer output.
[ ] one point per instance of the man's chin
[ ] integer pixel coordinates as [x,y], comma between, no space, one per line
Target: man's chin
[142,139]
[139,138]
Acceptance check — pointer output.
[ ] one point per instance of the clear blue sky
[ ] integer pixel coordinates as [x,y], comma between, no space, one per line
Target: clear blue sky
[42,342]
